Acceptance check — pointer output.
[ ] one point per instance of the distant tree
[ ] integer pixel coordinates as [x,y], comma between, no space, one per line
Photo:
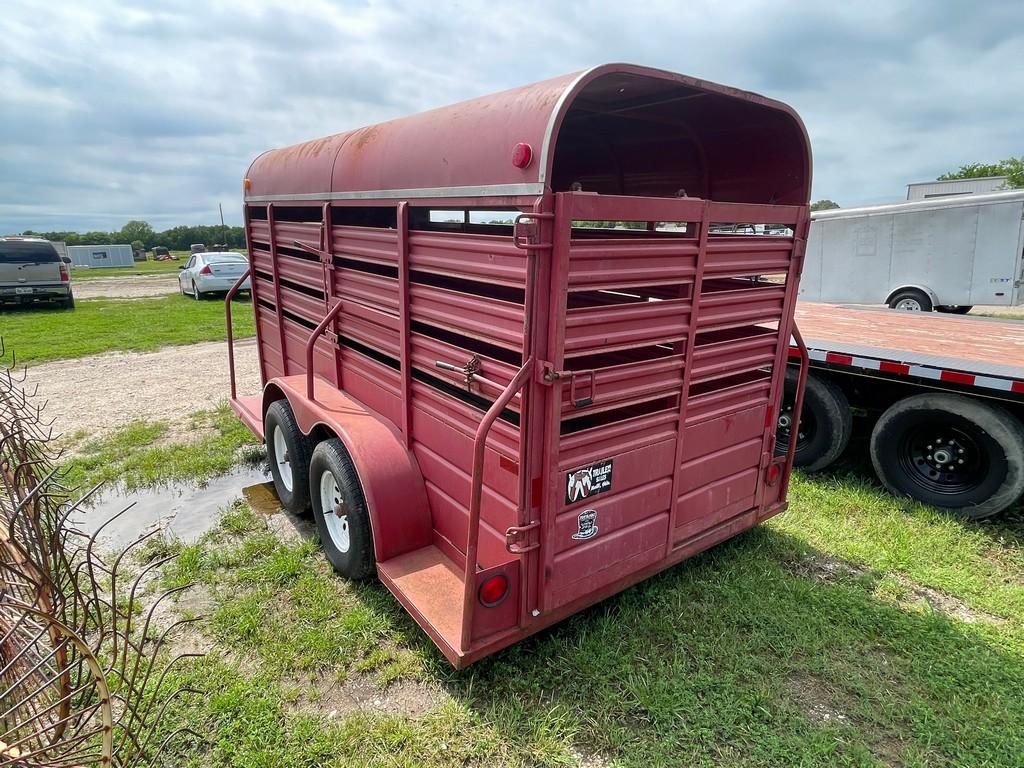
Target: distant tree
[137,230]
[1011,167]
[138,245]
[824,205]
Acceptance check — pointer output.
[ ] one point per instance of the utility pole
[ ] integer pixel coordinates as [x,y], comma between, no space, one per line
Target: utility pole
[224,229]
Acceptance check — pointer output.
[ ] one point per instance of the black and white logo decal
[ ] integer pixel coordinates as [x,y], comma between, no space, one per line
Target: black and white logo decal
[586,523]
[588,481]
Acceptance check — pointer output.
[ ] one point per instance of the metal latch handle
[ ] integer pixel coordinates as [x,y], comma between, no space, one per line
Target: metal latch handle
[515,532]
[550,376]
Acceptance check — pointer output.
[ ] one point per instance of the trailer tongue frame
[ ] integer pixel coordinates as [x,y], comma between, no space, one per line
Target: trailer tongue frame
[538,412]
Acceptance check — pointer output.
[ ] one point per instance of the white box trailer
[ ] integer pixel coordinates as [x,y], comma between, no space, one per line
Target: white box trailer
[947,254]
[97,256]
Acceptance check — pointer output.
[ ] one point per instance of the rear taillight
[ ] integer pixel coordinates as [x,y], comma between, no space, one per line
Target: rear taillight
[206,270]
[64,276]
[493,591]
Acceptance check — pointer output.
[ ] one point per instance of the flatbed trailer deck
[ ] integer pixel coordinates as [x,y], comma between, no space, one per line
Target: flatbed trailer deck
[874,359]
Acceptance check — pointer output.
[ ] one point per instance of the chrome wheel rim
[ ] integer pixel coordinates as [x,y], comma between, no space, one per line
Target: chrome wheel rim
[284,466]
[335,516]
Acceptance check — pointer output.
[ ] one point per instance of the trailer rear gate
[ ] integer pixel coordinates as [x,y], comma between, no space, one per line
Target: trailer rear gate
[631,375]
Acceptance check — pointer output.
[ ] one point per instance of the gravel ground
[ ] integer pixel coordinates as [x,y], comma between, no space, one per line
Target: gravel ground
[100,393]
[129,287]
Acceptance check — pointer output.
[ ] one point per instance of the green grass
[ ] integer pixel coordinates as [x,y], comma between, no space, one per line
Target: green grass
[139,455]
[752,654]
[40,334]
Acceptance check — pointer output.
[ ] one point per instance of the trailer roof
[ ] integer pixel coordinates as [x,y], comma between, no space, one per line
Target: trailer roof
[613,129]
[931,204]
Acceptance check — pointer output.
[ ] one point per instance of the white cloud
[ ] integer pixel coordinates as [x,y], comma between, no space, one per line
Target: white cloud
[114,110]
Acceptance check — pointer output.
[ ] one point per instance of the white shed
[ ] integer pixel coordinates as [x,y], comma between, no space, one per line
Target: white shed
[94,256]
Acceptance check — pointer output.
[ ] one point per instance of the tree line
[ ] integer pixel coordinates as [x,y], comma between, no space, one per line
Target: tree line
[134,232]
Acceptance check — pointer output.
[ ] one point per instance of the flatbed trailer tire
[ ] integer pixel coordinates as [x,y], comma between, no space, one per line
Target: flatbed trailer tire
[952,452]
[339,508]
[825,425]
[288,453]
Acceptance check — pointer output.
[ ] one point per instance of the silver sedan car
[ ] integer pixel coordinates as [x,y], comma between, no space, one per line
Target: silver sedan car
[212,272]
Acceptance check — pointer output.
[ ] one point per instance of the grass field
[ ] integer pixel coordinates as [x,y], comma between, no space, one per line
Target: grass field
[854,630]
[140,268]
[39,334]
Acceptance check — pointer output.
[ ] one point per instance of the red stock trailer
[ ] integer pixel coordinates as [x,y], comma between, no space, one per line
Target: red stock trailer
[503,409]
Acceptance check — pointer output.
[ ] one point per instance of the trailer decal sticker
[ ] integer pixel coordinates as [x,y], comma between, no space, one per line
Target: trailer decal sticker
[586,523]
[588,481]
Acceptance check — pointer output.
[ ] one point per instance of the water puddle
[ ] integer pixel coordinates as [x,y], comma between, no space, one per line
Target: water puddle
[184,510]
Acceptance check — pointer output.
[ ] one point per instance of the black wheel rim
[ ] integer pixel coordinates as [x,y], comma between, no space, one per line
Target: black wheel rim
[944,459]
[808,428]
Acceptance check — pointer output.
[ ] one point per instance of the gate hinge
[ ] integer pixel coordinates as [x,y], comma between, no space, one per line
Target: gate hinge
[517,532]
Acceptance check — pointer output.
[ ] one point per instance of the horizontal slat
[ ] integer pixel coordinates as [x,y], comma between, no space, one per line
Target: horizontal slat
[488,258]
[736,256]
[308,308]
[490,320]
[286,233]
[309,274]
[370,244]
[752,213]
[622,385]
[375,291]
[597,264]
[591,330]
[426,352]
[734,351]
[728,400]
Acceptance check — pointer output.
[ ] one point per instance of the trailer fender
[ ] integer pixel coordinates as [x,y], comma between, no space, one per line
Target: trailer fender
[914,286]
[396,496]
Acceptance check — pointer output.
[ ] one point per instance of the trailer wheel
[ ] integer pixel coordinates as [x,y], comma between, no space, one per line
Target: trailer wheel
[956,309]
[288,452]
[911,300]
[825,425]
[340,511]
[952,452]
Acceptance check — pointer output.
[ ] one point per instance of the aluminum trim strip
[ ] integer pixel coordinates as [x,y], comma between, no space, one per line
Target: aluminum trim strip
[546,147]
[484,190]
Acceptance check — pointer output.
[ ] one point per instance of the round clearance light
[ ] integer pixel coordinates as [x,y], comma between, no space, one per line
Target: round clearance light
[522,155]
[493,591]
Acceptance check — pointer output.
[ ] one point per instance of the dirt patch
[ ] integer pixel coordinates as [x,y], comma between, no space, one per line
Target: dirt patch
[126,287]
[359,693]
[827,568]
[101,393]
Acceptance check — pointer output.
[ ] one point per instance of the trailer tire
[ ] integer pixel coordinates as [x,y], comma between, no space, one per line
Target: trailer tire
[956,309]
[911,300]
[339,507]
[980,471]
[288,453]
[826,422]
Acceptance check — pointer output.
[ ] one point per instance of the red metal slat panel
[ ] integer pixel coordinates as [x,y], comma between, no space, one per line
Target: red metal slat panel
[383,338]
[728,400]
[371,383]
[737,256]
[720,464]
[310,309]
[287,232]
[710,504]
[427,351]
[591,330]
[490,320]
[590,445]
[324,361]
[450,411]
[309,274]
[616,512]
[487,258]
[376,246]
[622,385]
[717,434]
[375,291]
[591,207]
[751,213]
[733,353]
[723,309]
[597,264]
[259,230]
[632,469]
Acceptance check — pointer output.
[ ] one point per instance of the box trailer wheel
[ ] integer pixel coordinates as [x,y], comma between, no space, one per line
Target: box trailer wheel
[288,453]
[825,425]
[910,300]
[952,452]
[339,508]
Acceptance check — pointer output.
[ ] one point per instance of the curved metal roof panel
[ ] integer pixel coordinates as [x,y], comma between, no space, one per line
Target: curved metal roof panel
[466,149]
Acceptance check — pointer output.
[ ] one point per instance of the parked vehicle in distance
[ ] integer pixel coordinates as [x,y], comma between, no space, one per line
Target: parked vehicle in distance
[197,248]
[491,396]
[947,254]
[31,271]
[943,397]
[206,273]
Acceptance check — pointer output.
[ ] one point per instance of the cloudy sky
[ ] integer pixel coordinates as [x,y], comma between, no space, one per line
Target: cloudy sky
[112,110]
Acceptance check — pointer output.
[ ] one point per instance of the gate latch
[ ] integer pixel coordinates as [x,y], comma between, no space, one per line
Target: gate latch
[515,534]
[550,376]
[468,371]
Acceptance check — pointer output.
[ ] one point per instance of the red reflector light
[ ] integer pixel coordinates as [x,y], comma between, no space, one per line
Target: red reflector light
[774,473]
[493,591]
[522,155]
[205,270]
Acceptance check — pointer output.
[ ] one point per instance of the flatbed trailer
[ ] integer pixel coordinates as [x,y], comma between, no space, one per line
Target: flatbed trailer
[945,394]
